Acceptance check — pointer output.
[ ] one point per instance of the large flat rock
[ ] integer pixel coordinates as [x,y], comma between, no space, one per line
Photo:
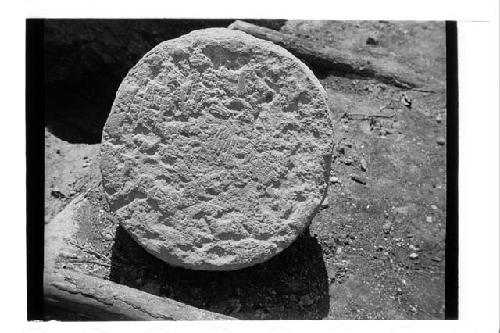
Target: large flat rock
[212,155]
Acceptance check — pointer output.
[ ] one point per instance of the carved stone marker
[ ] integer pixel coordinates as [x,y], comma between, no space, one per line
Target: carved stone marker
[212,155]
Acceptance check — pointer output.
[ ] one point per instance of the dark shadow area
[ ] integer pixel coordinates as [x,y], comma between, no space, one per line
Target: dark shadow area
[61,313]
[291,285]
[85,61]
[35,180]
[452,249]
[322,73]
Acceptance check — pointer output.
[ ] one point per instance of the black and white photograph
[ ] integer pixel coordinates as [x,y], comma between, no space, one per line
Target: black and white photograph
[242,168]
[272,169]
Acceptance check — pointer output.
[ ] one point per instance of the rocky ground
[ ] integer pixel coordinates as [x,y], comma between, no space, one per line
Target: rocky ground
[376,251]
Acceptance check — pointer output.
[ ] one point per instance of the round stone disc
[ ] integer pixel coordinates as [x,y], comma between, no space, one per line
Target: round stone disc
[212,155]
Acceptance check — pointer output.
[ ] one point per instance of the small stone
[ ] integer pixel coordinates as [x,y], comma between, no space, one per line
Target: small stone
[439,119]
[363,164]
[348,161]
[72,192]
[56,193]
[441,141]
[413,255]
[406,101]
[428,219]
[414,248]
[399,291]
[436,259]
[387,227]
[434,207]
[324,204]
[339,250]
[359,179]
[334,180]
[410,235]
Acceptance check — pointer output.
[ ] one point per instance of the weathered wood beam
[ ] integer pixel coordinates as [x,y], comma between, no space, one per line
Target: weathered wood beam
[330,59]
[105,300]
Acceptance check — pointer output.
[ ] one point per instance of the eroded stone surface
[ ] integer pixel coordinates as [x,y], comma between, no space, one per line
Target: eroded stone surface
[212,154]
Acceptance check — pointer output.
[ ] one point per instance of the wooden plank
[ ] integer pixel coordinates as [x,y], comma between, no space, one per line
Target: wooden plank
[101,299]
[330,59]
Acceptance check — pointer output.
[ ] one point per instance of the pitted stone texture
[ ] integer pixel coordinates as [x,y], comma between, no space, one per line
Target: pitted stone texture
[212,154]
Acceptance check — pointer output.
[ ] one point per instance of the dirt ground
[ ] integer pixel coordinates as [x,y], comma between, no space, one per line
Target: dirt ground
[376,251]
